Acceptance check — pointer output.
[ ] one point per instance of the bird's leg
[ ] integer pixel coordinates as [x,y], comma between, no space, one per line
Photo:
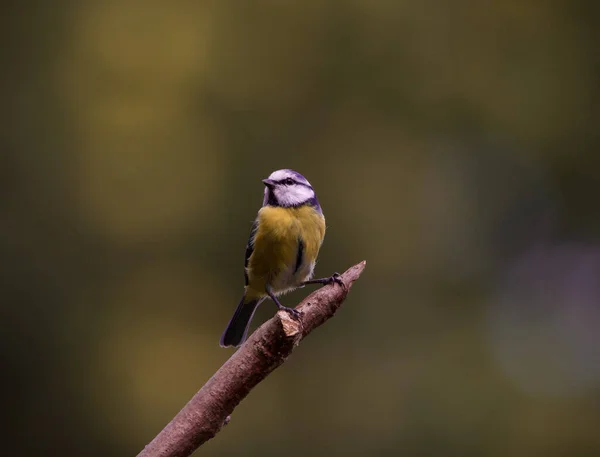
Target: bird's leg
[292,311]
[334,278]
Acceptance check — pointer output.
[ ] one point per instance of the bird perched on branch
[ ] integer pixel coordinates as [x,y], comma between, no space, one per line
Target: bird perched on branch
[282,250]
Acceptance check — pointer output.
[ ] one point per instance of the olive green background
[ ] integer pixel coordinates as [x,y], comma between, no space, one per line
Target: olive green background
[453,145]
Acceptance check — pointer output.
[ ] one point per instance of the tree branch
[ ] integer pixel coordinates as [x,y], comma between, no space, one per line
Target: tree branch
[266,349]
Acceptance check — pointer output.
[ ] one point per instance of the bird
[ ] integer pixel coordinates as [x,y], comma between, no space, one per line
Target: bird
[282,249]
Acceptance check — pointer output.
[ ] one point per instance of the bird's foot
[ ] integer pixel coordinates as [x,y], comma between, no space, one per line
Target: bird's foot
[337,278]
[334,278]
[293,312]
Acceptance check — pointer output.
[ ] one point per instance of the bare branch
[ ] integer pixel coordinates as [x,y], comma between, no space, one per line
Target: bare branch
[266,349]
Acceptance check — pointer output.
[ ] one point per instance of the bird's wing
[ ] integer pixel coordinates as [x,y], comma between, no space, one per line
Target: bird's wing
[250,248]
[299,255]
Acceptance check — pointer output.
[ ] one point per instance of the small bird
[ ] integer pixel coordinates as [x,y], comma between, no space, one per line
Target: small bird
[282,250]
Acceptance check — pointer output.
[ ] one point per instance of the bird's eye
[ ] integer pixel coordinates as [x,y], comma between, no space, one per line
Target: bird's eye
[289,181]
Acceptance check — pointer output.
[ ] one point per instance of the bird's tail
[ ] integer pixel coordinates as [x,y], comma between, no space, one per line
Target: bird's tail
[237,329]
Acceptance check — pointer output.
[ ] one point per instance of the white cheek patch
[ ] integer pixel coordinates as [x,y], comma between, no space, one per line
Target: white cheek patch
[293,195]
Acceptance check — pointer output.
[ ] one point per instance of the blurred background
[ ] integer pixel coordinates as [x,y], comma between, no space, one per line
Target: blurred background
[453,145]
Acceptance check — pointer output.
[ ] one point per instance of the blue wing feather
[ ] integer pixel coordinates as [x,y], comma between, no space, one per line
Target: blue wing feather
[250,249]
[299,255]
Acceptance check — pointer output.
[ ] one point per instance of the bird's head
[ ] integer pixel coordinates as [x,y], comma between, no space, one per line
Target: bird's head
[288,188]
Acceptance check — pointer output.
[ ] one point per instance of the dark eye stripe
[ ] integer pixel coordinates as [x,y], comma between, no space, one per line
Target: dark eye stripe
[283,182]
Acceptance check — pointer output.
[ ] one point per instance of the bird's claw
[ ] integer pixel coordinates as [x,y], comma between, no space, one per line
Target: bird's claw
[293,312]
[334,278]
[337,278]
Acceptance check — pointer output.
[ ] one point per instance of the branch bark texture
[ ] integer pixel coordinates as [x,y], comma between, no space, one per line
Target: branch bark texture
[266,349]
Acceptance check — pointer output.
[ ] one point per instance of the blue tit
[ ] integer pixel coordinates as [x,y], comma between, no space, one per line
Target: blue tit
[282,250]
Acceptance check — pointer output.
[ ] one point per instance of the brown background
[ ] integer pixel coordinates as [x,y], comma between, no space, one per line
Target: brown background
[454,145]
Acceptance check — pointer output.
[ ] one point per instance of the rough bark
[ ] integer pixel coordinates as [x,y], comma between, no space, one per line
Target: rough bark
[267,348]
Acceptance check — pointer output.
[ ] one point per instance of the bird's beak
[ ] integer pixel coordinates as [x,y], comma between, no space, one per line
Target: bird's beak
[269,183]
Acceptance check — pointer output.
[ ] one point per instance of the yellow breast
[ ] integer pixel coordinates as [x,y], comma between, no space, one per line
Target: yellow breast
[275,253]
